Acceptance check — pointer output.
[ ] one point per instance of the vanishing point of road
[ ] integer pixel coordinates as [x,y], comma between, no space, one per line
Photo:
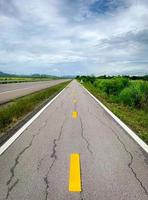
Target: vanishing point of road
[37,165]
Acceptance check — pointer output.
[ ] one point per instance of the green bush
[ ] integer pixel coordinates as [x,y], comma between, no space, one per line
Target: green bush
[136,95]
[112,86]
[144,94]
[120,90]
[129,96]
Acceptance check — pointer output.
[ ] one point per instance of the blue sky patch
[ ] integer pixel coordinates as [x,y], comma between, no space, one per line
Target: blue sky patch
[106,6]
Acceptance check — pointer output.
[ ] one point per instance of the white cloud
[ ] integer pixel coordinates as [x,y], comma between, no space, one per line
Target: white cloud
[67,34]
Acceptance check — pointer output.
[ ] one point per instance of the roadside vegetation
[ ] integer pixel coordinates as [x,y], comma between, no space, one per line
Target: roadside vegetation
[124,96]
[4,80]
[16,110]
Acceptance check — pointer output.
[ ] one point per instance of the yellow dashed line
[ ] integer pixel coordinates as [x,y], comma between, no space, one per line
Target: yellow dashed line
[74,114]
[74,101]
[74,175]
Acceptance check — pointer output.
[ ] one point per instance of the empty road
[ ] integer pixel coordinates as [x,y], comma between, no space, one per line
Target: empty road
[14,90]
[37,165]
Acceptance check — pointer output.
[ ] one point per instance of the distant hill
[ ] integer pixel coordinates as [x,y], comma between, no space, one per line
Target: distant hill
[2,74]
[5,74]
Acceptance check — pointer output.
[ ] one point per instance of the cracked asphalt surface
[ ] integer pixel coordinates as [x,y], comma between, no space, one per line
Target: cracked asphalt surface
[15,90]
[36,165]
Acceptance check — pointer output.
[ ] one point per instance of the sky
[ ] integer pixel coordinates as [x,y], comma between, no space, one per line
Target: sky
[74,37]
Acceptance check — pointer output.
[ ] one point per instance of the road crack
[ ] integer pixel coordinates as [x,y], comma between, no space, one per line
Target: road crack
[84,138]
[81,196]
[12,169]
[130,164]
[127,151]
[47,186]
[54,157]
[96,117]
[11,188]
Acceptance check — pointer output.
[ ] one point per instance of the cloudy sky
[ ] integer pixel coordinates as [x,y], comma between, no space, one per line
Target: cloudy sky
[69,37]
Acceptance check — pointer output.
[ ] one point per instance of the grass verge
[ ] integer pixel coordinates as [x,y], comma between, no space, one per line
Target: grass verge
[21,79]
[136,119]
[16,110]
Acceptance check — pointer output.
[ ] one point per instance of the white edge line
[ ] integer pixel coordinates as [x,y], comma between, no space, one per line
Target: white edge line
[22,129]
[142,144]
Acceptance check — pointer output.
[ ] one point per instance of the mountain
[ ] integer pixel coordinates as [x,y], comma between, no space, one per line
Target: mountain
[5,74]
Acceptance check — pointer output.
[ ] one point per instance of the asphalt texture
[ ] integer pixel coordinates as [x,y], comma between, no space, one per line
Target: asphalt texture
[12,91]
[36,165]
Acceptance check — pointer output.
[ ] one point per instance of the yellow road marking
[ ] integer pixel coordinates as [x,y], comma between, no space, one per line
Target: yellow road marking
[74,101]
[74,176]
[74,114]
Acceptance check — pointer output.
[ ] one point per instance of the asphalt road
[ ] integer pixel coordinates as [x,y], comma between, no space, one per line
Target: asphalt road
[15,90]
[36,165]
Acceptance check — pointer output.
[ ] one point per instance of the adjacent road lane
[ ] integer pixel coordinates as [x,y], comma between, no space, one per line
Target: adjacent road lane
[15,90]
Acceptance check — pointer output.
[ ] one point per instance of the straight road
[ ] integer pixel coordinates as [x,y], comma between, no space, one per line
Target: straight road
[15,90]
[37,165]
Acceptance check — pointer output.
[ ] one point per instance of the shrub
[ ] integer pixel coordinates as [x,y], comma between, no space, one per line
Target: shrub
[129,96]
[136,95]
[144,94]
[112,86]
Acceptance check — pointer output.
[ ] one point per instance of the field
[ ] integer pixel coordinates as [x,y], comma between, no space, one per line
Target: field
[126,98]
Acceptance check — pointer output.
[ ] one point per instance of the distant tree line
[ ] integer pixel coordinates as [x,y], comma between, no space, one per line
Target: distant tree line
[93,78]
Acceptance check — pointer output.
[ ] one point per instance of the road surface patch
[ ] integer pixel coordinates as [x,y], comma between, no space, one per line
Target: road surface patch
[75,175]
[74,114]
[74,93]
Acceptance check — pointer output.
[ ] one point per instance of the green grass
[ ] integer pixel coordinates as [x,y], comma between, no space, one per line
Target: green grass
[129,103]
[14,111]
